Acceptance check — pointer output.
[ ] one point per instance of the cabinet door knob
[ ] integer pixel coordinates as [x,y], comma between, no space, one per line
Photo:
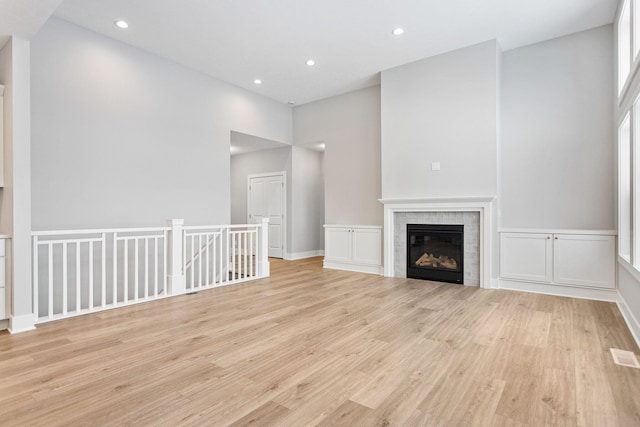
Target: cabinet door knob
[556,238]
[548,237]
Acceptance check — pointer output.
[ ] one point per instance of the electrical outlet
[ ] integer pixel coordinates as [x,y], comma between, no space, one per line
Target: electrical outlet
[435,166]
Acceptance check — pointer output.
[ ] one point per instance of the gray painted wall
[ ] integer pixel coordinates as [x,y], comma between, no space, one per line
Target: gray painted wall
[441,109]
[349,126]
[112,123]
[558,134]
[243,165]
[307,232]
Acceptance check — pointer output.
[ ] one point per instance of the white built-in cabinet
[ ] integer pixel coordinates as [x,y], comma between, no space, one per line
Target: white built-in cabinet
[1,136]
[579,259]
[4,311]
[4,298]
[353,247]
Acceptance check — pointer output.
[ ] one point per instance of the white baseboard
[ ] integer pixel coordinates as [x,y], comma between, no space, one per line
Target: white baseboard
[23,323]
[358,268]
[610,295]
[302,255]
[630,319]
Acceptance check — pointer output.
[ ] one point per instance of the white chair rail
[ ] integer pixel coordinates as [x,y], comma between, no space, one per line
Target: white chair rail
[83,271]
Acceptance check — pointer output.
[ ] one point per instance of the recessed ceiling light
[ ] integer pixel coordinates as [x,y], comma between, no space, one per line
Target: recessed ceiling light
[397,31]
[122,24]
[311,62]
[258,81]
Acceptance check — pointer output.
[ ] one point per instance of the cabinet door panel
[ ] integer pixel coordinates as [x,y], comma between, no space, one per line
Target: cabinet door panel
[526,256]
[338,244]
[584,260]
[3,269]
[366,246]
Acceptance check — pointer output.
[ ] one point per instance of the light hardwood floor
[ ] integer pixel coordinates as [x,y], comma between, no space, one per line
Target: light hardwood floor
[320,347]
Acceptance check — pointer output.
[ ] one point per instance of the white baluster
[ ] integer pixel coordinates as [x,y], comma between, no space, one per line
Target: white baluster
[125,270]
[64,279]
[36,284]
[136,270]
[208,240]
[78,302]
[165,264]
[200,252]
[244,249]
[193,260]
[156,268]
[90,306]
[50,283]
[250,249]
[103,284]
[115,270]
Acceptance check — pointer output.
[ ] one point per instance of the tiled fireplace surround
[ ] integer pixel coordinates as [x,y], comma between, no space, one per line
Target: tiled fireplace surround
[475,213]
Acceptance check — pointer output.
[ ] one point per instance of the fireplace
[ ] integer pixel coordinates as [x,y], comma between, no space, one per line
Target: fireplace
[435,252]
[477,214]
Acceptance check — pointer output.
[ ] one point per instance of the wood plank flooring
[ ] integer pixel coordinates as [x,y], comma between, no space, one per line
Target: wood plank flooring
[310,346]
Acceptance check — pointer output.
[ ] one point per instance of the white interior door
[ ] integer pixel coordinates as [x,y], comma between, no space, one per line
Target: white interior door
[266,199]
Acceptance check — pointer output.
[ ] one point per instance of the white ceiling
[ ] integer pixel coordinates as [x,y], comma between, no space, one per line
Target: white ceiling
[24,17]
[350,40]
[242,143]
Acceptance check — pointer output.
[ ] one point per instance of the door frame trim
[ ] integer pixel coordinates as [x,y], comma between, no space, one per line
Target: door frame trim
[283,174]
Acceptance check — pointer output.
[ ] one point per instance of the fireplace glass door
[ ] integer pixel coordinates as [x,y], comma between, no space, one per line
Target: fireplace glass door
[435,252]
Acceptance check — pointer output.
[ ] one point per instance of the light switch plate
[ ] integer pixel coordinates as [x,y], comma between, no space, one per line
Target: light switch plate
[435,166]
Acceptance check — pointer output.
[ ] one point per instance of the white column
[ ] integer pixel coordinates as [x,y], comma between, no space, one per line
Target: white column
[175,275]
[263,249]
[17,186]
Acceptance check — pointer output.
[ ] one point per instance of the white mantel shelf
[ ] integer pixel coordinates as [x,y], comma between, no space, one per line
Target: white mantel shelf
[439,200]
[379,227]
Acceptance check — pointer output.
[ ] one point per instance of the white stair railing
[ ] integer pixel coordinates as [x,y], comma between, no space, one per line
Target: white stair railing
[82,271]
[204,257]
[220,255]
[148,248]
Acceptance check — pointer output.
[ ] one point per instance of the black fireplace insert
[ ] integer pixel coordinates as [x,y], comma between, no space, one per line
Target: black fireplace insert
[435,252]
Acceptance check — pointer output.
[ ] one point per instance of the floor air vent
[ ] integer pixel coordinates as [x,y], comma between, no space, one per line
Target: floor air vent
[624,358]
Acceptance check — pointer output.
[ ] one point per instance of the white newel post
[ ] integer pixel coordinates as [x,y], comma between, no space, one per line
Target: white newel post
[175,275]
[263,249]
